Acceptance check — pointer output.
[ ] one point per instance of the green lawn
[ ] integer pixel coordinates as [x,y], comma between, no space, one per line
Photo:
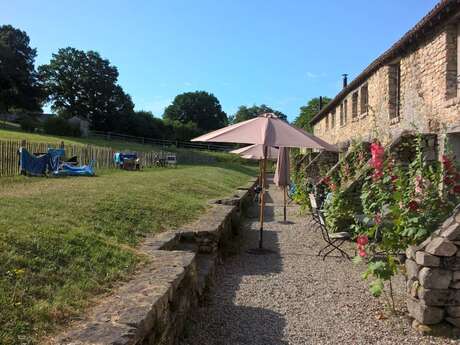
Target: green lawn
[65,240]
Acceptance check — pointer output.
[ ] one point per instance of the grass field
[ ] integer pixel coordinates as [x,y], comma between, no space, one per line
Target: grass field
[64,241]
[115,144]
[36,137]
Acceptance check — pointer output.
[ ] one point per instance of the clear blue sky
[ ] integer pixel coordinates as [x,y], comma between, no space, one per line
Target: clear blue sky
[280,53]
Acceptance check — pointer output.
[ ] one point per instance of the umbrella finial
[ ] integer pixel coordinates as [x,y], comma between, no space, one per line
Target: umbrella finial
[269,115]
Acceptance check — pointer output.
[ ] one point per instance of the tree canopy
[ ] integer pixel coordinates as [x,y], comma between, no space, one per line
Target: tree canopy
[245,113]
[307,112]
[199,107]
[19,86]
[84,84]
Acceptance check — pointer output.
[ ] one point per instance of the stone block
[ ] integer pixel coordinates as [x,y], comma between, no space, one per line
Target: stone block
[455,285]
[451,263]
[454,321]
[435,297]
[452,232]
[457,217]
[425,259]
[453,311]
[441,247]
[434,278]
[412,269]
[424,314]
[410,252]
[456,275]
[425,243]
[447,222]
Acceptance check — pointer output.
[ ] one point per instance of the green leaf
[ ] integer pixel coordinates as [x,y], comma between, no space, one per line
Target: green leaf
[376,288]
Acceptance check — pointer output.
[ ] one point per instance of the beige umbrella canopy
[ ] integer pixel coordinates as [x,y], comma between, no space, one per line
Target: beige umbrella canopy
[282,175]
[256,152]
[266,130]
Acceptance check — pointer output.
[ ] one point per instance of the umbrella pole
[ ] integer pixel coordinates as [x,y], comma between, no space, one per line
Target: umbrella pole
[285,203]
[262,199]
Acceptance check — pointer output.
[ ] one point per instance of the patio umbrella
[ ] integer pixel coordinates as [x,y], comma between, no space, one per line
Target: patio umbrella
[267,130]
[256,152]
[282,177]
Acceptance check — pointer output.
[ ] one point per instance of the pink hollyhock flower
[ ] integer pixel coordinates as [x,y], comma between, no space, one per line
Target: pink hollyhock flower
[362,253]
[377,153]
[362,240]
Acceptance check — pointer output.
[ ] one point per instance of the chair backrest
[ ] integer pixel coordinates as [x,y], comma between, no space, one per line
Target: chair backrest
[171,159]
[313,203]
[321,220]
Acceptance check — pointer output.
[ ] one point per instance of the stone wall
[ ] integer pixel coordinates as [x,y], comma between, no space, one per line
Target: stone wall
[153,307]
[433,272]
[428,94]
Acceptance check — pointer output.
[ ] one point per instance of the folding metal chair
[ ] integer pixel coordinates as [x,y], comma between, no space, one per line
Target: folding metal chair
[334,240]
[314,209]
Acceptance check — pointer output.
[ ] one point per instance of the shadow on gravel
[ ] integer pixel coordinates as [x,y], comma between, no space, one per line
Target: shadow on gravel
[226,317]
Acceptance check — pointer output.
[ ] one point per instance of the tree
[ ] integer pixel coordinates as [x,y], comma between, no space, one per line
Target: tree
[199,107]
[307,112]
[84,84]
[244,113]
[19,86]
[144,124]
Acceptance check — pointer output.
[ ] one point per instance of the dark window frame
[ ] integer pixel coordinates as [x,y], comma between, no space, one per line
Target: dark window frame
[354,105]
[364,100]
[394,88]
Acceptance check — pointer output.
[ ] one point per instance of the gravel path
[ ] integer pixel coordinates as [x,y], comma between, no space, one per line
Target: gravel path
[293,296]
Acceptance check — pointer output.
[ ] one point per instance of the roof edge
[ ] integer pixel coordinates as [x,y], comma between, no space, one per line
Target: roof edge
[443,10]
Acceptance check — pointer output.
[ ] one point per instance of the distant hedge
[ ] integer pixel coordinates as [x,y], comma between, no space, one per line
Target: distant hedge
[60,126]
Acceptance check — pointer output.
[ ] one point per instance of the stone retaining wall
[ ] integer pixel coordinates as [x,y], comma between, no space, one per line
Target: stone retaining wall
[433,272]
[152,308]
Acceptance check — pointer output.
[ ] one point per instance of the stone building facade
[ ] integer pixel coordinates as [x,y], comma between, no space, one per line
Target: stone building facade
[412,86]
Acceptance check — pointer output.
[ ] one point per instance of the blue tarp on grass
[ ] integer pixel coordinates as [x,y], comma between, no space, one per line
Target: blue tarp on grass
[51,162]
[33,165]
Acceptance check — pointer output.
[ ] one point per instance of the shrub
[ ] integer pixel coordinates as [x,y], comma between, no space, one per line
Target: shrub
[405,204]
[60,126]
[28,123]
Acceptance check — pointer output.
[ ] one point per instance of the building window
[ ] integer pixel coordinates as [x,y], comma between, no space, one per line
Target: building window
[394,80]
[452,60]
[341,114]
[354,106]
[345,111]
[364,99]
[333,118]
